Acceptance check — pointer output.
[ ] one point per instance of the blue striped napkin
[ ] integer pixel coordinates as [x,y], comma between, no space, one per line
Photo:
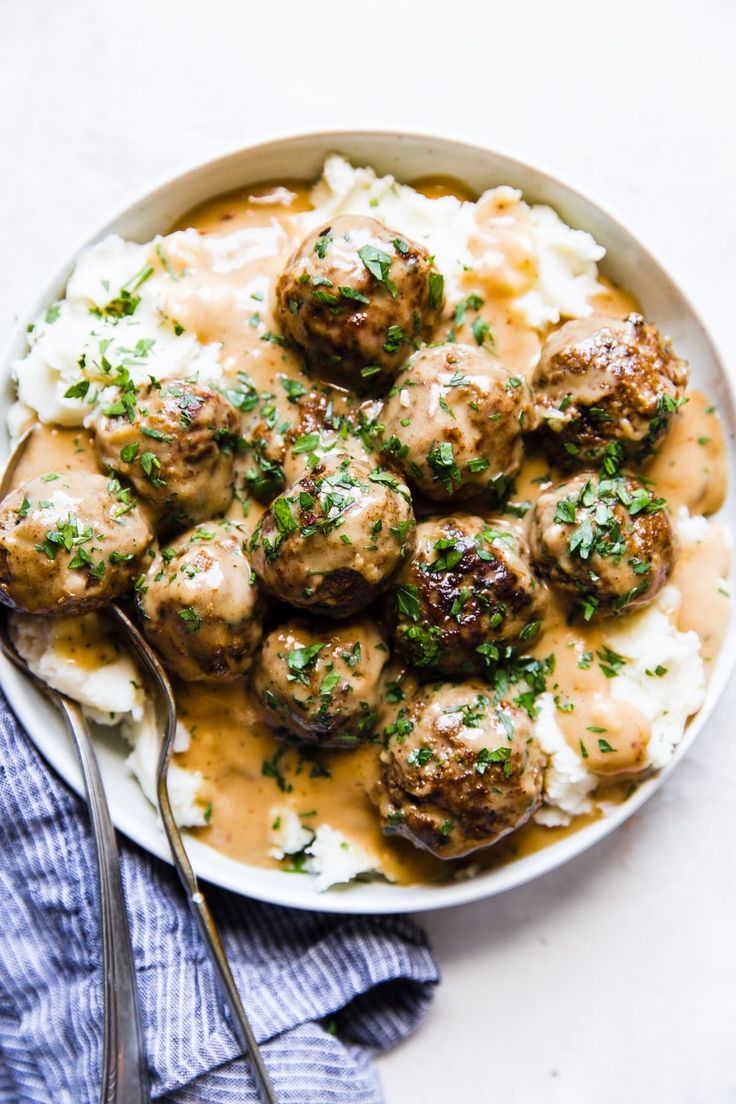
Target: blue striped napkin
[324,992]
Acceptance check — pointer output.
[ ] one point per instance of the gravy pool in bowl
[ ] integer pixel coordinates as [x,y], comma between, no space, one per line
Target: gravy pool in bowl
[607,710]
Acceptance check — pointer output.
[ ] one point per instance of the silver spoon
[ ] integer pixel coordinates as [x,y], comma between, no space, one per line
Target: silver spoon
[124,1069]
[233,1008]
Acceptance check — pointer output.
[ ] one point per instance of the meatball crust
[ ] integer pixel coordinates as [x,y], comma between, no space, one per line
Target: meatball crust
[453,422]
[465,595]
[200,605]
[458,770]
[605,542]
[334,539]
[281,437]
[321,680]
[174,444]
[356,295]
[321,427]
[600,381]
[69,543]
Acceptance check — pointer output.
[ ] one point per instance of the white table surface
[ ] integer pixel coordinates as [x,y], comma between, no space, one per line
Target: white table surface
[610,981]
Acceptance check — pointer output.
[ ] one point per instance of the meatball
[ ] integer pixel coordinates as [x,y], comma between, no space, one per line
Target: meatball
[356,296]
[282,436]
[465,597]
[321,680]
[453,422]
[335,538]
[606,542]
[600,383]
[458,770]
[69,543]
[200,604]
[173,441]
[320,428]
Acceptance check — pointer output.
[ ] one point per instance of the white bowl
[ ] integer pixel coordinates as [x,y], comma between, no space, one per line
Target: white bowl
[407,156]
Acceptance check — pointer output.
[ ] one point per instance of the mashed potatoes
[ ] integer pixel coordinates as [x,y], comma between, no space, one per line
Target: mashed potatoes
[79,657]
[553,271]
[119,315]
[662,676]
[119,320]
[112,322]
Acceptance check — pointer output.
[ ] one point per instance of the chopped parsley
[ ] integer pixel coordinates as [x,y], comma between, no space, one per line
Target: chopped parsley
[436,290]
[378,264]
[610,662]
[485,758]
[442,462]
[322,243]
[419,757]
[395,338]
[192,620]
[299,661]
[407,600]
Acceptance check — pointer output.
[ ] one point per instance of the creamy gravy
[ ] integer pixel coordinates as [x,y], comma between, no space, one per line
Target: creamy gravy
[226,297]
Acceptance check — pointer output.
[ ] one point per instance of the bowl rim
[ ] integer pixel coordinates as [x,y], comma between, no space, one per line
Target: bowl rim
[410,898]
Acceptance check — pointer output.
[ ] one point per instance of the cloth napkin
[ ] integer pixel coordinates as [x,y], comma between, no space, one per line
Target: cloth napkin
[324,992]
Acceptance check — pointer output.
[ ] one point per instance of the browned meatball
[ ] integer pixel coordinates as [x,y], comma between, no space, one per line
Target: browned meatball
[601,382]
[323,424]
[174,443]
[605,542]
[357,297]
[284,431]
[69,543]
[466,593]
[453,422]
[320,680]
[459,770]
[334,539]
[200,604]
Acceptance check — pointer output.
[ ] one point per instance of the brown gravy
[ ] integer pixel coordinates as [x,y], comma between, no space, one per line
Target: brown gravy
[245,776]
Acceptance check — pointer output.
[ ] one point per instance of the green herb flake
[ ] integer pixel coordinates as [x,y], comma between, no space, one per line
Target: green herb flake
[407,600]
[419,757]
[129,452]
[192,620]
[322,243]
[348,292]
[282,515]
[436,290]
[299,660]
[77,390]
[610,662]
[485,758]
[378,264]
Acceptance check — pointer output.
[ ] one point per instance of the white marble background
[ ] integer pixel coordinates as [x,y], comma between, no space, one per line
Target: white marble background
[610,981]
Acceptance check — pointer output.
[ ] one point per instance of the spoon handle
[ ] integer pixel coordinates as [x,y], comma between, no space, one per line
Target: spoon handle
[232,1004]
[124,1072]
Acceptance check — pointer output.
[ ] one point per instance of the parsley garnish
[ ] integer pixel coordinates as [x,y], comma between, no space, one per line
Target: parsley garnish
[436,289]
[419,757]
[300,659]
[395,338]
[322,242]
[441,460]
[378,264]
[192,620]
[407,599]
